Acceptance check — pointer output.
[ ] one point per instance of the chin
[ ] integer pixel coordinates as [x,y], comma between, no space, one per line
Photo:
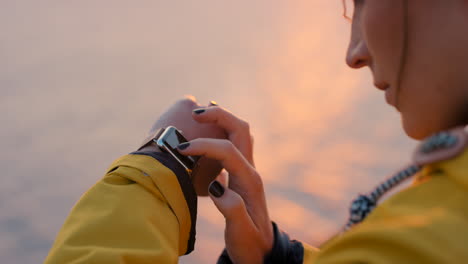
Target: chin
[418,130]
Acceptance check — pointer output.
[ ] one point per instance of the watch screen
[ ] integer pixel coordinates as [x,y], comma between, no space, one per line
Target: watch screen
[171,139]
[174,139]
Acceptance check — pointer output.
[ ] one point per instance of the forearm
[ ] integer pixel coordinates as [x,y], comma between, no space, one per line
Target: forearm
[284,250]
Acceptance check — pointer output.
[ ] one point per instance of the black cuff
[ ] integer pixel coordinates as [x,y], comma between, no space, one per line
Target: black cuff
[283,251]
[185,184]
[224,258]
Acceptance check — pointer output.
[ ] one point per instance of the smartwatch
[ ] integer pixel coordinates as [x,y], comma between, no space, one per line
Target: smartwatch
[167,139]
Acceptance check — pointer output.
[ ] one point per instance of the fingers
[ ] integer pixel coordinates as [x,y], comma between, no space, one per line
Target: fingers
[229,203]
[241,235]
[219,149]
[237,129]
[222,117]
[223,177]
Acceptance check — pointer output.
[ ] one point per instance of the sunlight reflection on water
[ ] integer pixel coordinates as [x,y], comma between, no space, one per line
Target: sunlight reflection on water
[82,82]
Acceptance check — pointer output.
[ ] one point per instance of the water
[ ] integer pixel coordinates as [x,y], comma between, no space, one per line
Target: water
[81,83]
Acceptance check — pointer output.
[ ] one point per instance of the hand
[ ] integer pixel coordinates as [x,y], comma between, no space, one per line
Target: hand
[179,115]
[248,234]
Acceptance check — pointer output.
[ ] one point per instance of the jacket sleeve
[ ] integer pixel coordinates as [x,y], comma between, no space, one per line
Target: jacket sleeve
[284,250]
[142,211]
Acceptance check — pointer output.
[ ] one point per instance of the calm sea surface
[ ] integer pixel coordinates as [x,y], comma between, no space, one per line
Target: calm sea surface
[82,81]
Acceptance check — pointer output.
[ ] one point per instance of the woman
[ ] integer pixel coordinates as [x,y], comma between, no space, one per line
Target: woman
[417,52]
[143,210]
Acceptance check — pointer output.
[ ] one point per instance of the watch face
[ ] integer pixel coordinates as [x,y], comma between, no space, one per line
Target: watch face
[174,138]
[169,140]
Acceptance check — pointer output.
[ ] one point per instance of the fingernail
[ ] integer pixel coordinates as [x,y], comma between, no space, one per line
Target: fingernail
[213,103]
[183,146]
[199,111]
[216,189]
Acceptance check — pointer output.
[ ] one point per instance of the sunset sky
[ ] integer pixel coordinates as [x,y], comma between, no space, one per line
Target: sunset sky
[82,81]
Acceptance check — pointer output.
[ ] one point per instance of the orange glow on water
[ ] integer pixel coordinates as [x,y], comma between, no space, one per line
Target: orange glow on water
[84,80]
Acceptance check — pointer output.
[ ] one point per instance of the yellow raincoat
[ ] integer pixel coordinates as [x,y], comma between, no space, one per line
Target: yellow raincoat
[140,213]
[425,223]
[137,213]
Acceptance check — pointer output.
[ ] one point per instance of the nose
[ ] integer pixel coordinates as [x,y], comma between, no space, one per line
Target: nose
[358,55]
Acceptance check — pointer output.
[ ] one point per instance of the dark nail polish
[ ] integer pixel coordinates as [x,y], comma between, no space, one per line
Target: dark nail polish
[199,111]
[183,146]
[216,189]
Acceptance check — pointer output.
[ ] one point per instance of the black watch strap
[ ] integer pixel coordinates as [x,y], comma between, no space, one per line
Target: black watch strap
[148,140]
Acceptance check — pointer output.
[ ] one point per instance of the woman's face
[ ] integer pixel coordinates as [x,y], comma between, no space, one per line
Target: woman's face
[432,94]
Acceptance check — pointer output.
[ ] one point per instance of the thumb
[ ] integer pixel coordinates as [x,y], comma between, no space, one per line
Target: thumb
[241,235]
[228,202]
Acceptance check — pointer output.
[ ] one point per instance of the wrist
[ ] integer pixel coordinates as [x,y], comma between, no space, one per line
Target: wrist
[152,147]
[149,145]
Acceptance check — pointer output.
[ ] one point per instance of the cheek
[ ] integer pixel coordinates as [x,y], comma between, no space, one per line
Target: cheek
[432,93]
[382,23]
